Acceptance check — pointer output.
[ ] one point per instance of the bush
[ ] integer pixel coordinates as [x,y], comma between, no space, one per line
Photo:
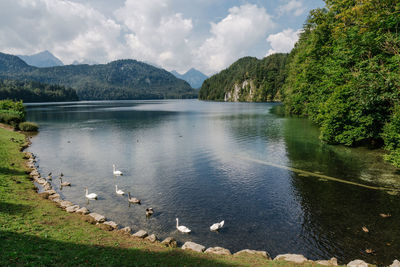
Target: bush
[16,108]
[28,126]
[391,137]
[9,117]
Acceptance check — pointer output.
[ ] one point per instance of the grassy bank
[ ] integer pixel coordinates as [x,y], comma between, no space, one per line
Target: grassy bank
[34,231]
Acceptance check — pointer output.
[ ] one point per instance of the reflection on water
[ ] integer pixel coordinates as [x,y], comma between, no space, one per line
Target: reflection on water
[203,163]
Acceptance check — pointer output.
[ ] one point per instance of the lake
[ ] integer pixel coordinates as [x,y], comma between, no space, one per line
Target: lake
[277,187]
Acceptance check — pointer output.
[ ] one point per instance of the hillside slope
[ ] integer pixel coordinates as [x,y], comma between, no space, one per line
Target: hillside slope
[121,79]
[248,79]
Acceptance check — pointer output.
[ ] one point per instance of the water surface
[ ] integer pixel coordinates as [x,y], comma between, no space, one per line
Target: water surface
[204,162]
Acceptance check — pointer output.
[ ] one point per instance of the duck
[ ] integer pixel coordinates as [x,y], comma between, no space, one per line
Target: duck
[91,195]
[116,172]
[49,176]
[182,228]
[119,191]
[64,183]
[217,226]
[133,199]
[149,211]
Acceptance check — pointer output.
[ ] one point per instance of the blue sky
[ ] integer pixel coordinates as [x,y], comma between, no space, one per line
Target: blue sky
[173,34]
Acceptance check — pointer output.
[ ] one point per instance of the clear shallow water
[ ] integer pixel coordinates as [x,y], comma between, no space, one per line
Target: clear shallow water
[204,162]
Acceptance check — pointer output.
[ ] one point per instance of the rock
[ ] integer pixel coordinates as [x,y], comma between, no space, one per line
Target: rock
[51,192]
[82,211]
[152,238]
[99,218]
[170,242]
[44,195]
[56,200]
[126,230]
[140,234]
[112,224]
[193,246]
[65,204]
[47,187]
[40,181]
[72,209]
[218,250]
[255,252]
[357,263]
[331,262]
[54,196]
[89,219]
[34,173]
[395,263]
[105,227]
[297,258]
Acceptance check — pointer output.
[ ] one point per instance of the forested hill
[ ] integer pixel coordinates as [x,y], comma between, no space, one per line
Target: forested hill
[248,79]
[121,79]
[29,91]
[345,73]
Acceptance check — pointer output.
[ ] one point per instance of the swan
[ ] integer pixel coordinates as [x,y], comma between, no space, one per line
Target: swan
[149,211]
[182,228]
[116,172]
[64,183]
[91,195]
[133,199]
[118,191]
[217,226]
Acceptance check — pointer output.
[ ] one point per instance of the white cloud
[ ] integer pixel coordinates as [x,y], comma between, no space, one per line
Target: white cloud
[282,42]
[293,7]
[70,30]
[155,33]
[234,36]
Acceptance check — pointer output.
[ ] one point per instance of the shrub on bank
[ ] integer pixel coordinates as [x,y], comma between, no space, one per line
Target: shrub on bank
[10,117]
[28,126]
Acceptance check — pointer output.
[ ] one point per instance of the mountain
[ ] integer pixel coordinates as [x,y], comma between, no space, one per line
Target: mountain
[42,59]
[248,79]
[194,77]
[121,79]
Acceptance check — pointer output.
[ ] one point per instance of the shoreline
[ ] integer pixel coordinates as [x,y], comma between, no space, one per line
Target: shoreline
[100,220]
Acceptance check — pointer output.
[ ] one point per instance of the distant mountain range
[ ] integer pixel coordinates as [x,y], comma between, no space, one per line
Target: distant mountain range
[194,77]
[42,59]
[121,79]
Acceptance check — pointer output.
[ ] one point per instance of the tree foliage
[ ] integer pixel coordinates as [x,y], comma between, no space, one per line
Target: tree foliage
[29,91]
[267,75]
[344,72]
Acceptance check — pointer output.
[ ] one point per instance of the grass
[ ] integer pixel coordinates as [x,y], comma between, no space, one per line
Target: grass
[34,231]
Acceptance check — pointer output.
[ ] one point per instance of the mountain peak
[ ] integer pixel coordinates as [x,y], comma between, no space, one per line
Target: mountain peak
[194,77]
[42,59]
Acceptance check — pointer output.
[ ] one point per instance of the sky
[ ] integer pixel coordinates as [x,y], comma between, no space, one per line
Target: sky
[208,35]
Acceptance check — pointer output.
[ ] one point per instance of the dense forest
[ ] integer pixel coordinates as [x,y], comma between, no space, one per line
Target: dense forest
[344,73]
[29,91]
[121,79]
[249,78]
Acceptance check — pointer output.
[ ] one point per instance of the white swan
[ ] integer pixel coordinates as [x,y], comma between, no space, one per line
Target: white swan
[64,183]
[118,191]
[182,228]
[91,195]
[116,172]
[217,226]
[133,200]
